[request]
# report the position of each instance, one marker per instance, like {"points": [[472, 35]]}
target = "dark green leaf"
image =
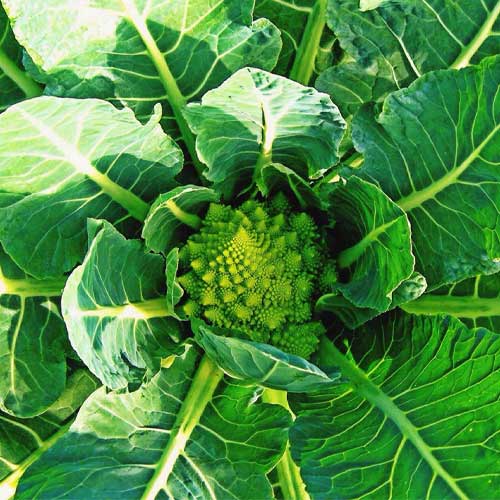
{"points": [[291, 18], [373, 236], [391, 43], [307, 42], [276, 177], [419, 419], [350, 85], [353, 316], [434, 151], [476, 301]]}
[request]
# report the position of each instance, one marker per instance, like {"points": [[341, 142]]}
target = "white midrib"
{"points": [[147, 309], [269, 129], [268, 134], [417, 198], [372, 393], [82, 165], [484, 32], [265, 156]]}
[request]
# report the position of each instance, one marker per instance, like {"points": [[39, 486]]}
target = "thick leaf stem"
{"points": [[373, 394], [31, 287], [175, 98], [289, 478], [191, 220], [463, 307], [137, 207], [204, 383], [303, 66], [354, 161], [18, 76]]}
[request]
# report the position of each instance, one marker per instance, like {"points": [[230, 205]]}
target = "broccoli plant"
{"points": [[249, 249]]}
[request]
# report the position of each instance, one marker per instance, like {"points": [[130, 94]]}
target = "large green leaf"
{"points": [[350, 85], [66, 160], [390, 44], [476, 301], [373, 236], [419, 418], [139, 53], [183, 435], [256, 118], [15, 84], [115, 308], [261, 364], [33, 341], [23, 441], [434, 150]]}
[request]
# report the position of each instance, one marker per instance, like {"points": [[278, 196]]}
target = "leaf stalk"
{"points": [[29, 87], [303, 66], [290, 480], [191, 220], [204, 383]]}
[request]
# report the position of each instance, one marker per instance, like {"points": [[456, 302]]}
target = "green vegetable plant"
{"points": [[254, 269], [249, 249]]}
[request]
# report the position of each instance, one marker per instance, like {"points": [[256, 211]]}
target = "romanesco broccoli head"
{"points": [[257, 270]]}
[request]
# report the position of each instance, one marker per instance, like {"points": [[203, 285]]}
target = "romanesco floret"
{"points": [[300, 339], [256, 272]]}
